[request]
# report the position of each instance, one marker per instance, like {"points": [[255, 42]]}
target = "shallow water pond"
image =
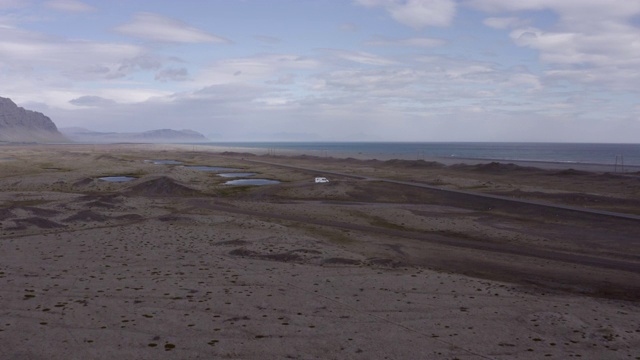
{"points": [[257, 182], [236, 174], [117, 178], [164, 162]]}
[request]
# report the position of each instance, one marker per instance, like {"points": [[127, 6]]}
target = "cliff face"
{"points": [[20, 125]]}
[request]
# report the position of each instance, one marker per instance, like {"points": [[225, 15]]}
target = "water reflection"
{"points": [[164, 162], [257, 182], [237, 174], [117, 178]]}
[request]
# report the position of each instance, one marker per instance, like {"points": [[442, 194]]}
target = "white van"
{"points": [[322, 180]]}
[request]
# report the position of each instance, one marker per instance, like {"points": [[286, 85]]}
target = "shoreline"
{"points": [[381, 156]]}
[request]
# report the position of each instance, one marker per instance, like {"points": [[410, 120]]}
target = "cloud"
{"points": [[130, 65], [593, 43], [69, 6], [284, 79], [163, 29], [505, 22], [423, 42], [180, 74], [93, 101], [74, 59], [417, 13], [360, 57], [594, 9], [259, 68]]}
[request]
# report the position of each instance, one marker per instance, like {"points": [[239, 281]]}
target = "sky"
{"points": [[330, 70]]}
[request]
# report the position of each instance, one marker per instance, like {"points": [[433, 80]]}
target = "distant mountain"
{"points": [[153, 136], [20, 125]]}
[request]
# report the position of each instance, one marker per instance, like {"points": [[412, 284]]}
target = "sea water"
{"points": [[578, 153]]}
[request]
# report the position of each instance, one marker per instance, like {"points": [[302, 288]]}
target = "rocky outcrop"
{"points": [[20, 125], [151, 136]]}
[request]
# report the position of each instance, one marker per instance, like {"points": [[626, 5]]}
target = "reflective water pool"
{"points": [[237, 174], [164, 162], [117, 178]]}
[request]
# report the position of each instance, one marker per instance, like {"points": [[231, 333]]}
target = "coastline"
{"points": [[384, 156]]}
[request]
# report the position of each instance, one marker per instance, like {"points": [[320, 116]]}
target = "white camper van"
{"points": [[322, 180]]}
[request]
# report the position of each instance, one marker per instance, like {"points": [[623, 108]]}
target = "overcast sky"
{"points": [[330, 70]]}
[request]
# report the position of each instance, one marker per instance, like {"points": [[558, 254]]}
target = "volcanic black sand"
{"points": [[175, 264]]}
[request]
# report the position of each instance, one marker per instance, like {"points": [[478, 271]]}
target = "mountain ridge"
{"points": [[79, 134], [18, 124]]}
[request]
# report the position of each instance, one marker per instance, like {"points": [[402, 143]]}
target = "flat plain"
{"points": [[175, 264]]}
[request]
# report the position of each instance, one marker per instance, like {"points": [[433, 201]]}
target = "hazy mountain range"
{"points": [[20, 125], [77, 134]]}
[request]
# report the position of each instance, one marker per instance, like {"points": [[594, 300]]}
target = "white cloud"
{"points": [[594, 9], [69, 6], [92, 101], [260, 68], [360, 57], [505, 22], [423, 42], [163, 29], [593, 41], [417, 13], [70, 58], [172, 74]]}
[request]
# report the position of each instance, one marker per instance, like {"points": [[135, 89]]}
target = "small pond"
{"points": [[257, 182], [117, 178], [236, 174], [164, 162], [211, 168]]}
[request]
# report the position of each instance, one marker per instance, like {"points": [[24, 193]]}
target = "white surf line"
{"points": [[469, 193]]}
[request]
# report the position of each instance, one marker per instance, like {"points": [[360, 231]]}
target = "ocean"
{"points": [[614, 155]]}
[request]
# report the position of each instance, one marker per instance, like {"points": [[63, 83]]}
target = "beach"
{"points": [[174, 264]]}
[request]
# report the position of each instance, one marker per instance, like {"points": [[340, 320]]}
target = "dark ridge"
{"points": [[6, 214], [341, 261], [571, 172], [38, 212], [86, 215], [38, 222], [130, 217], [162, 186], [244, 252], [414, 163], [233, 153], [100, 204], [495, 168], [83, 182], [104, 198]]}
